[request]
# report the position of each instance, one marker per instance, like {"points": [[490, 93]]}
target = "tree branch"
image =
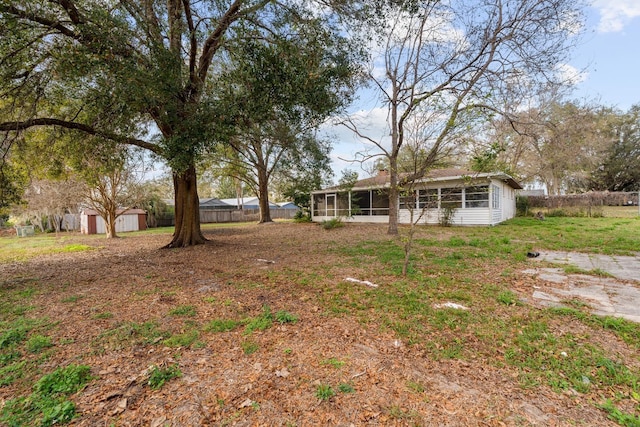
{"points": [[19, 126]]}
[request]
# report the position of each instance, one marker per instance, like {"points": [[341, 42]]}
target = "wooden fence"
{"points": [[231, 215]]}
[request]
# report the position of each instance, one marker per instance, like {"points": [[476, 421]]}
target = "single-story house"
{"points": [[246, 203], [130, 220], [469, 198], [212, 203], [288, 205]]}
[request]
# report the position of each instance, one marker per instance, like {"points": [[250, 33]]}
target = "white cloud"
{"points": [[570, 74], [615, 14]]}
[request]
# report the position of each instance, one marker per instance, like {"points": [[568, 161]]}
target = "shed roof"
{"points": [[118, 212]]}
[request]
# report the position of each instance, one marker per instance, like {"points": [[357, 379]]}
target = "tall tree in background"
{"points": [[286, 90], [620, 168], [557, 143], [449, 61], [48, 200], [123, 70]]}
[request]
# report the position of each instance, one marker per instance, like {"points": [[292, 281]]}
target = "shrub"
{"points": [[302, 216], [522, 206], [332, 223]]}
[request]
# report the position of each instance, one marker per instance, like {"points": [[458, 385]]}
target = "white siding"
{"points": [[84, 224], [462, 216], [124, 223]]}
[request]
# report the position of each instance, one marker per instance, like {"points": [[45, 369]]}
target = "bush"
{"points": [[302, 216], [332, 223], [522, 206], [446, 216]]}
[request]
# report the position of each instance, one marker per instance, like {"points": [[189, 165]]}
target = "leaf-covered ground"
{"points": [[259, 327]]}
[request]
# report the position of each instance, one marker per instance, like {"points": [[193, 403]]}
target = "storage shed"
{"points": [[130, 220], [469, 198]]}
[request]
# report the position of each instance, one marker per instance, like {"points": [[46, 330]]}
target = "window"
{"points": [[495, 197], [428, 198], [407, 200], [451, 198], [476, 197]]}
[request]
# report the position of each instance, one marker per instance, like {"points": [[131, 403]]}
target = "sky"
{"points": [[606, 63]]}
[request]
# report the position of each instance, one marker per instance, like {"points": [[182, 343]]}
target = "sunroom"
{"points": [[463, 197]]}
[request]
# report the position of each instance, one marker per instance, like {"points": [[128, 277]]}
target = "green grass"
{"points": [[37, 343], [160, 375], [49, 402], [324, 392], [21, 249], [249, 347], [185, 339], [128, 334], [222, 325], [184, 310]]}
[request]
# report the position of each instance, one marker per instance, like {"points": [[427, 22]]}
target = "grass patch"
{"points": [[283, 316], [185, 339], [75, 248], [37, 343], [48, 404], [184, 310], [507, 298], [160, 375], [332, 223], [622, 418], [333, 362], [346, 388], [324, 392], [18, 249], [249, 347], [222, 325], [102, 316], [128, 334]]}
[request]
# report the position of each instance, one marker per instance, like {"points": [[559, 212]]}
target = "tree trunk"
{"points": [[393, 198], [187, 206], [263, 196], [110, 224]]}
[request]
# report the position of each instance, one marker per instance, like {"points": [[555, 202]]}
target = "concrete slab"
{"points": [[622, 267], [618, 296]]}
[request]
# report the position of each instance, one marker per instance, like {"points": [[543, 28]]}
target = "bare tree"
{"points": [[113, 186], [50, 200], [446, 63]]}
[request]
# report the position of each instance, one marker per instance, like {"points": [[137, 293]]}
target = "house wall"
{"points": [[462, 216]]}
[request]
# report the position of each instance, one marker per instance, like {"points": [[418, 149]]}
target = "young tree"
{"points": [[122, 70], [112, 186], [443, 63]]}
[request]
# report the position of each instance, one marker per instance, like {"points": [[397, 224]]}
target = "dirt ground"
{"points": [[236, 274]]}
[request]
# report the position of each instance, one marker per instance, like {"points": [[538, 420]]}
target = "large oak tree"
{"points": [[138, 72]]}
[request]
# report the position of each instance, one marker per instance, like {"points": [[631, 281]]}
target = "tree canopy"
{"points": [[144, 73], [441, 64]]}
